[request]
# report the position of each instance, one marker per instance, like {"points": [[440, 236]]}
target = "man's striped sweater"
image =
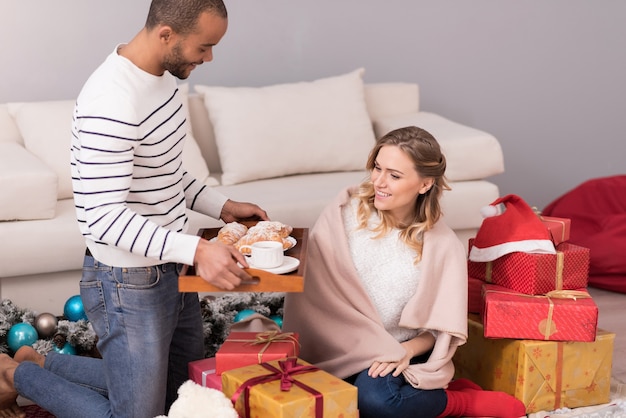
{"points": [[130, 188]]}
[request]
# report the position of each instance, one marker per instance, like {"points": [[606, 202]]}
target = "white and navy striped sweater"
{"points": [[130, 189]]}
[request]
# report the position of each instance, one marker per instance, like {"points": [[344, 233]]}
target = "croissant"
{"points": [[265, 231], [282, 229], [231, 233]]}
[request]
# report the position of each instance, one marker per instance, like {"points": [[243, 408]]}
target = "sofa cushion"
{"points": [[388, 99], [298, 200], [306, 127], [471, 154], [9, 131], [29, 187], [42, 246], [46, 127], [192, 156]]}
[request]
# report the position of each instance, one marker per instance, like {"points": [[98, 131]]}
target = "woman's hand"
{"points": [[382, 369], [413, 347]]}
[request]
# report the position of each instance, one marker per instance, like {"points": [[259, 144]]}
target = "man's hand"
{"points": [[217, 264], [235, 211]]}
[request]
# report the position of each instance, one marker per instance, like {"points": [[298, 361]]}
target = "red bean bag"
{"points": [[597, 209]]}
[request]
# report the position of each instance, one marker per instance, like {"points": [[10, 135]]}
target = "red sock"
{"points": [[482, 403], [460, 384]]}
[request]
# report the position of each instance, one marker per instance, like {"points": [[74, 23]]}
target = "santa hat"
{"points": [[510, 225]]}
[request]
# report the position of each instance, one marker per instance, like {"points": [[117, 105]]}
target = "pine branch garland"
{"points": [[218, 315]]}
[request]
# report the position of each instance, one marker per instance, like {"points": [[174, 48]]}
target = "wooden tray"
{"points": [[263, 281]]}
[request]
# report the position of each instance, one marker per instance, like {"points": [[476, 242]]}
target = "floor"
{"points": [[611, 307]]}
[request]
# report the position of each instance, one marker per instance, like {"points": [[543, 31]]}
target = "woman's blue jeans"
{"points": [[147, 331], [393, 397]]}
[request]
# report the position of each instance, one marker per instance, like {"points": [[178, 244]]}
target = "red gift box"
{"points": [[245, 348], [474, 295], [536, 274], [203, 373], [560, 315], [558, 227]]}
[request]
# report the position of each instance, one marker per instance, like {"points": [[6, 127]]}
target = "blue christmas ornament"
{"points": [[278, 319], [21, 334], [74, 309], [241, 315], [67, 349]]}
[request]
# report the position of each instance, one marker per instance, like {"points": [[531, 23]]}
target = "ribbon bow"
{"points": [[267, 338], [288, 368]]}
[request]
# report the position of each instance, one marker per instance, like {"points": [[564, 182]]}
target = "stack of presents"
{"points": [[532, 325], [262, 374]]}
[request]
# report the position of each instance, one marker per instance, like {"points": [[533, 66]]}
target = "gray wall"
{"points": [[546, 77]]}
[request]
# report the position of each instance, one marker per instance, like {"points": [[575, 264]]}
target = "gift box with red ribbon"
{"points": [[245, 348], [536, 274], [560, 315], [544, 375], [203, 373], [559, 228], [289, 388]]}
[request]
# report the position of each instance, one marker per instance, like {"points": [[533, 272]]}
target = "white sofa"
{"points": [[41, 249]]}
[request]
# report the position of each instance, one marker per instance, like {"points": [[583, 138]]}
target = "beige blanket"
{"points": [[339, 328]]}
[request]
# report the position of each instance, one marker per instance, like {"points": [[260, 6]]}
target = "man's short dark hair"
{"points": [[182, 15]]}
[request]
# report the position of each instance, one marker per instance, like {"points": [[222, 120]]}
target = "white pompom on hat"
{"points": [[510, 225]]}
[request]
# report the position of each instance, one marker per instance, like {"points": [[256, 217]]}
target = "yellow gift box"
{"points": [[544, 375], [289, 388]]}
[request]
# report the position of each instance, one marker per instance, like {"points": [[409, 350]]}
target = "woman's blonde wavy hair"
{"points": [[429, 162]]}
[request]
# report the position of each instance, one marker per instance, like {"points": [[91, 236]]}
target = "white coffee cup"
{"points": [[266, 254]]}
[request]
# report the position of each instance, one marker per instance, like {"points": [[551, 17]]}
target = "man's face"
{"points": [[193, 49]]}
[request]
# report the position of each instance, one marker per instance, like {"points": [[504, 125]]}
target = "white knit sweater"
{"points": [[386, 270], [130, 189]]}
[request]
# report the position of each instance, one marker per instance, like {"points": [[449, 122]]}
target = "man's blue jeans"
{"points": [[147, 334]]}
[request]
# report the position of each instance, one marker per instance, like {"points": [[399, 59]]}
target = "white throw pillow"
{"points": [[278, 130], [46, 127], [192, 156]]}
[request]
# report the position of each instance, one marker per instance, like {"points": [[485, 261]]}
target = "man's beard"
{"points": [[176, 64]]}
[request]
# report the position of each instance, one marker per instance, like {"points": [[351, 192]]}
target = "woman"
{"points": [[385, 298]]}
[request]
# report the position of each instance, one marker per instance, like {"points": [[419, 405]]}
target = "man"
{"points": [[131, 192]]}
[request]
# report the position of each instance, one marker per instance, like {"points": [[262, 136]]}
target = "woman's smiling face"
{"points": [[397, 184]]}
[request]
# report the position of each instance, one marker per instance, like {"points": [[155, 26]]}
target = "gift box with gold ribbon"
{"points": [[560, 315], [536, 274], [544, 375], [289, 388], [245, 348]]}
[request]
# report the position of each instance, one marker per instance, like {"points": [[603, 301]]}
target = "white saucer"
{"points": [[289, 264]]}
